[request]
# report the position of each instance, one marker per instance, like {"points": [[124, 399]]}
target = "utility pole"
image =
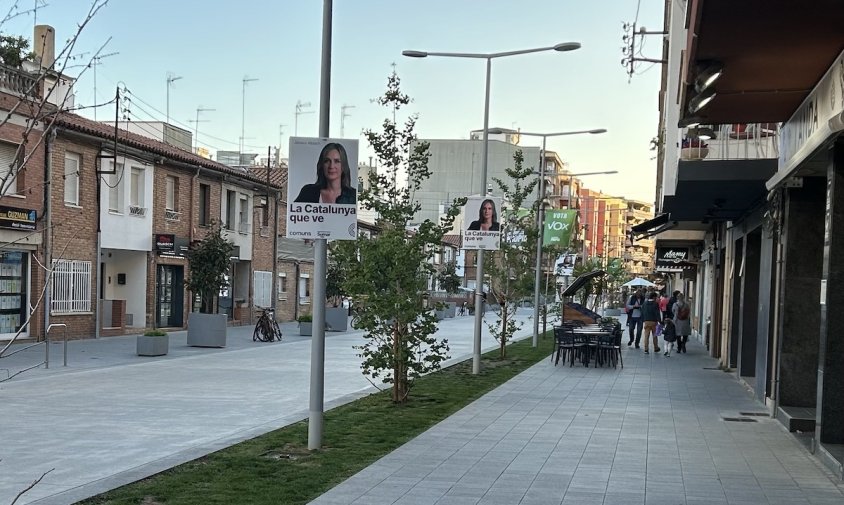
{"points": [[94, 62], [300, 109], [343, 116], [196, 125], [171, 78], [246, 79]]}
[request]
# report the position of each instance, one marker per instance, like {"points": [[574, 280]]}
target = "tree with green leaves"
{"points": [[14, 50], [209, 261], [447, 277], [387, 274], [511, 267], [334, 278]]}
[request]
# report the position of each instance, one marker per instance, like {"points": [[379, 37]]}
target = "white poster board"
{"points": [[482, 228], [322, 188], [564, 265]]}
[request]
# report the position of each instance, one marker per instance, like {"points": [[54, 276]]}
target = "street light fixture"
{"points": [[541, 213], [479, 277]]}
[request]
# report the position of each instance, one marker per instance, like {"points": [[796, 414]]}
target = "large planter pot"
{"points": [[306, 328], [450, 309], [152, 346], [693, 153], [207, 330], [336, 319]]}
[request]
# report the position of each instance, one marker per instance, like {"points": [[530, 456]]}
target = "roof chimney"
{"points": [[45, 44]]}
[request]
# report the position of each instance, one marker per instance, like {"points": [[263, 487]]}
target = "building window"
{"points": [[72, 163], [71, 286], [243, 214], [204, 204], [263, 282], [115, 190], [304, 289], [231, 209], [282, 286], [10, 160], [136, 195], [172, 190]]}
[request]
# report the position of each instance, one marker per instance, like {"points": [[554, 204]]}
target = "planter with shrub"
{"points": [[153, 343]]}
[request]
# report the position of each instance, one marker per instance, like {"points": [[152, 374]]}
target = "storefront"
{"points": [[170, 280], [16, 226]]}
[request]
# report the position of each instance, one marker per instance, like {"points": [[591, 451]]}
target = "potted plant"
{"points": [[153, 343], [306, 322], [693, 149], [209, 261]]}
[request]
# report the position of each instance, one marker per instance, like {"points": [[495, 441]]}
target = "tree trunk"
{"points": [[503, 342], [399, 392]]}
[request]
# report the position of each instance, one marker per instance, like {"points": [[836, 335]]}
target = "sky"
{"points": [[213, 45]]}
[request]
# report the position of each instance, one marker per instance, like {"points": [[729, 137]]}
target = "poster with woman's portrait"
{"points": [[322, 186], [482, 228]]}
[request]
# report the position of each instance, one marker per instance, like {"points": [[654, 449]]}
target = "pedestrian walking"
{"points": [[634, 317], [663, 304], [682, 321], [650, 317], [669, 335]]}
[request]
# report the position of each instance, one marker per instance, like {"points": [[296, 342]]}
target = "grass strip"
{"points": [[277, 467]]}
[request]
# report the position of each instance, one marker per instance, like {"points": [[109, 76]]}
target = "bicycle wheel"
{"points": [[260, 334], [276, 330]]}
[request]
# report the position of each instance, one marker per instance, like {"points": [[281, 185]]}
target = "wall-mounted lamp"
{"points": [[711, 72], [689, 122], [700, 101]]}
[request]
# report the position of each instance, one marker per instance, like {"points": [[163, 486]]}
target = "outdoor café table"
{"points": [[592, 332]]}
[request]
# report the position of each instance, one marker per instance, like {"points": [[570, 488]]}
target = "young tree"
{"points": [[447, 277], [335, 276], [209, 262], [511, 267], [386, 274]]}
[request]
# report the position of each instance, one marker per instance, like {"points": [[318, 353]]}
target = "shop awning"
{"points": [[581, 281], [653, 226]]}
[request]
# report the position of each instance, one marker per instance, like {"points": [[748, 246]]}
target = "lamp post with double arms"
{"points": [[541, 214], [479, 277]]}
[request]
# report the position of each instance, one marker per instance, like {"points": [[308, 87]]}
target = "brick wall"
{"points": [[288, 307]]}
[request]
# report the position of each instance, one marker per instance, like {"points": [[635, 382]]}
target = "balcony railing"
{"points": [[730, 142], [134, 210], [17, 81], [172, 215]]}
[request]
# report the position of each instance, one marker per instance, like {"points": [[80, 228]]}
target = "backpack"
{"points": [[683, 312]]}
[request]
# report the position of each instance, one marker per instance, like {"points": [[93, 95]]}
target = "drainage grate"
{"points": [[711, 368], [739, 419], [755, 414]]}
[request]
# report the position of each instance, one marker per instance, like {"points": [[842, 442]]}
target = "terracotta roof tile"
{"points": [[106, 132]]}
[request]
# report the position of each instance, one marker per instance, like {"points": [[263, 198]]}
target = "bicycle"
{"points": [[266, 329]]}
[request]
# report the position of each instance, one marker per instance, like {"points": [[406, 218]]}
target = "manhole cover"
{"points": [[739, 419], [756, 414]]}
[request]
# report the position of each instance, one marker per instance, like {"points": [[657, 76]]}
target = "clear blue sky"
{"points": [[213, 44]]}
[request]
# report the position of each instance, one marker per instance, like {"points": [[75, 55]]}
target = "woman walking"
{"points": [[682, 322]]}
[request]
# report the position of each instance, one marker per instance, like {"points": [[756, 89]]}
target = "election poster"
{"points": [[482, 228], [322, 188], [564, 265], [558, 227]]}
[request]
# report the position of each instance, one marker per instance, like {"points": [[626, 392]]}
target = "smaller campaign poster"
{"points": [[564, 265], [322, 188], [482, 228]]}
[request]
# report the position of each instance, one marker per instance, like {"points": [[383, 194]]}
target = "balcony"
{"points": [[172, 215], [137, 211], [730, 142], [18, 82]]}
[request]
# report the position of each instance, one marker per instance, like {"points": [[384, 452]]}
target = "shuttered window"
{"points": [[263, 282], [71, 286]]}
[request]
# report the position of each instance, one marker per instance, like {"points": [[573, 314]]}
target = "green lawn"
{"points": [[277, 468]]}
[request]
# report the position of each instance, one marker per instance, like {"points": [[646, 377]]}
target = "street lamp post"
{"points": [[479, 277], [541, 214]]}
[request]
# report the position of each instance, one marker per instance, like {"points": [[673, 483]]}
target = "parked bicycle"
{"points": [[266, 329]]}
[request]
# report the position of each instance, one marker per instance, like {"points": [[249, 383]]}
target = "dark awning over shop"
{"points": [[581, 281], [653, 226], [718, 190]]}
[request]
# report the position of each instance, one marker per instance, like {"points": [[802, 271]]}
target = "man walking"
{"points": [[634, 317], [651, 316]]}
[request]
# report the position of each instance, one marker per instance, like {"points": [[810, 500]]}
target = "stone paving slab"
{"points": [[651, 434], [111, 417]]}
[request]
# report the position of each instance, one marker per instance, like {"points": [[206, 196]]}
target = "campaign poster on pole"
{"points": [[558, 227], [322, 188], [564, 265], [482, 228]]}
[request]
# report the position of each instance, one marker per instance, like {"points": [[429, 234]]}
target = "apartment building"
{"points": [[749, 201]]}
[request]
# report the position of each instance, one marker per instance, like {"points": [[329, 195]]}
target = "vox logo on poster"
{"points": [[482, 229], [322, 188], [558, 227]]}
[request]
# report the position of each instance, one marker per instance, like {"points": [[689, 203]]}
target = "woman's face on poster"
{"points": [[332, 165], [487, 211]]}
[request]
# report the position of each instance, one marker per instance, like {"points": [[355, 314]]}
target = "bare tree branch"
{"points": [[34, 483]]}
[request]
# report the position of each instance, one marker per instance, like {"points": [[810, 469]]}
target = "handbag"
{"points": [[658, 330]]}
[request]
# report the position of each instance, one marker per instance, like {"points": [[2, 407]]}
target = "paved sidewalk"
{"points": [[653, 433], [111, 417]]}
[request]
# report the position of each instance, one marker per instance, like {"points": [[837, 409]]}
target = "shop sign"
{"points": [[672, 254], [17, 219], [168, 244]]}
